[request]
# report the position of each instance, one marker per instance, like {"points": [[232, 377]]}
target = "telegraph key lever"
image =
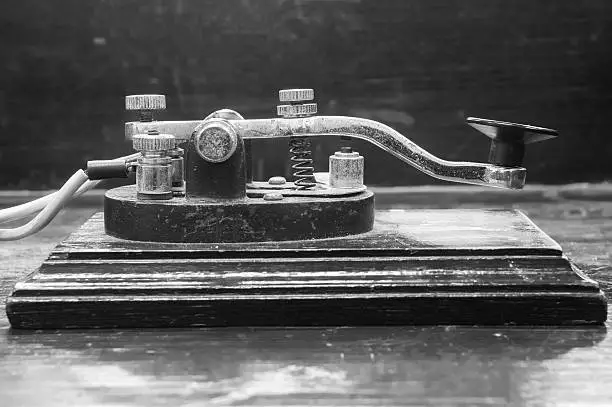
{"points": [[298, 120]]}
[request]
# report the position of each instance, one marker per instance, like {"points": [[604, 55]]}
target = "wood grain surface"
{"points": [[444, 365], [415, 267]]}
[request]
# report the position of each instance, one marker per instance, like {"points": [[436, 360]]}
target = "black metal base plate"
{"points": [[181, 220], [482, 267]]}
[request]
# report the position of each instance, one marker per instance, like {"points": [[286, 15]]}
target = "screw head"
{"points": [[216, 141], [273, 196], [153, 142], [277, 181], [145, 102]]}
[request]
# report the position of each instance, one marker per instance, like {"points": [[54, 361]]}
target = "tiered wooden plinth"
{"points": [[476, 267]]}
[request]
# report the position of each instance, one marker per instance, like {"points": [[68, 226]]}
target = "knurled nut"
{"points": [[303, 110], [145, 102], [153, 142], [295, 95]]}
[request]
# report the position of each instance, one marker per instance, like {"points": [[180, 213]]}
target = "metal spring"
{"points": [[303, 168]]}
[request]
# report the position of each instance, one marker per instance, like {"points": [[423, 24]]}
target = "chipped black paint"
{"points": [[187, 220]]}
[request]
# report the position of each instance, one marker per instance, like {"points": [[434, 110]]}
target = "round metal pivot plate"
{"points": [[182, 220]]}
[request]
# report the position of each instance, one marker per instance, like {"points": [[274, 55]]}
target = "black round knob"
{"points": [[508, 140]]}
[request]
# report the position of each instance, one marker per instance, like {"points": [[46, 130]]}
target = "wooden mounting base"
{"points": [[476, 267]]}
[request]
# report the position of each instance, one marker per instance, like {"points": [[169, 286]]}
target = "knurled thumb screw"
{"points": [[153, 141], [295, 106], [145, 105]]}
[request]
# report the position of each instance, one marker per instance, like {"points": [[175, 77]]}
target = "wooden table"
{"points": [[333, 366]]}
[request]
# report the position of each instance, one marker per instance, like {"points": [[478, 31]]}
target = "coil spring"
{"points": [[303, 168]]}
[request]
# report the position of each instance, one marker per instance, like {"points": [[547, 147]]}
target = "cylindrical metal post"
{"points": [[154, 170], [346, 169]]}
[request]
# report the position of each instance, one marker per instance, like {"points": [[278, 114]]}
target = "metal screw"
{"points": [[300, 153], [273, 196], [296, 108], [277, 181]]}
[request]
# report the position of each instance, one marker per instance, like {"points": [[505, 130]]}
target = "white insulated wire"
{"points": [[29, 208], [58, 200]]}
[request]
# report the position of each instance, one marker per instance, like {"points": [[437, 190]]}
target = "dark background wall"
{"points": [[418, 66]]}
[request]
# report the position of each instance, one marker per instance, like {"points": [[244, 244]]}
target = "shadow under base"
{"points": [[416, 267]]}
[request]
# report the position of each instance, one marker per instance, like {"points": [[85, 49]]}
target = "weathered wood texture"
{"points": [[417, 66], [445, 266], [445, 365]]}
